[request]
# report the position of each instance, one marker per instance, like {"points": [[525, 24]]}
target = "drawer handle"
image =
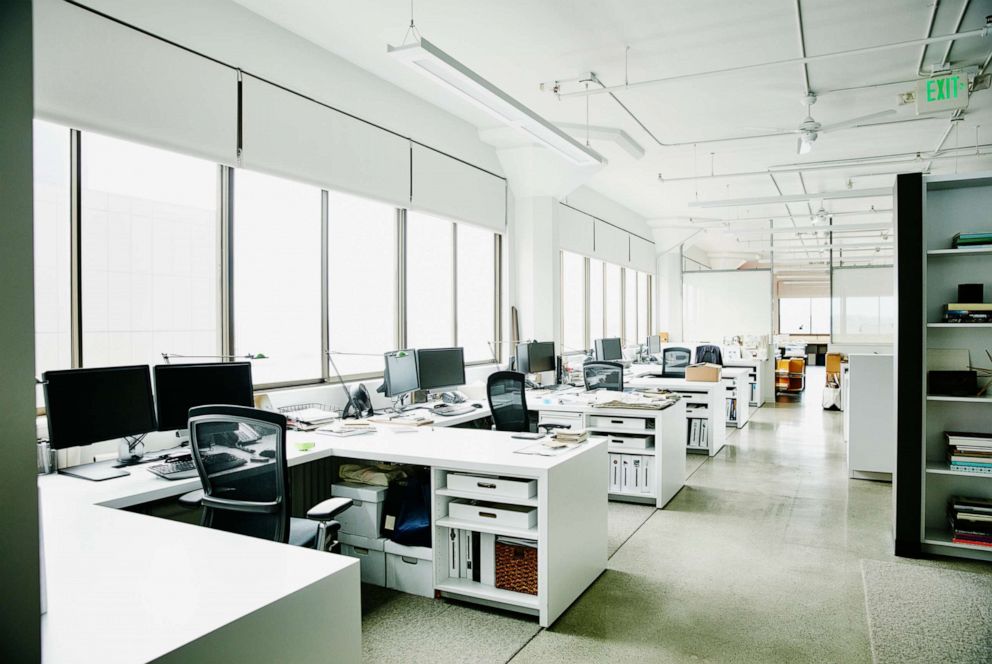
{"points": [[409, 561], [488, 515], [485, 485], [361, 551], [617, 441], [616, 421]]}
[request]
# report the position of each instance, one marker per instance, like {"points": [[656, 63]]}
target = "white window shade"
{"points": [[291, 136], [575, 231], [641, 254], [457, 191], [863, 305], [722, 304], [93, 73], [612, 244]]}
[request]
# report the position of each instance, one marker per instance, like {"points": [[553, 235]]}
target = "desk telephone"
{"points": [[453, 397]]}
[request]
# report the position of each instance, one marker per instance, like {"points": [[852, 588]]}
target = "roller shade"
{"points": [[724, 304], [612, 243], [641, 254], [92, 73], [575, 231], [863, 305], [453, 189], [291, 136]]}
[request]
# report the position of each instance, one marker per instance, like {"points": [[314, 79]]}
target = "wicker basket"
{"points": [[516, 568]]}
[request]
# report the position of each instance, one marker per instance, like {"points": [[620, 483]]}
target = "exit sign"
{"points": [[941, 93]]}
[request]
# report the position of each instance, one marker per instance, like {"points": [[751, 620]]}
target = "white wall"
{"points": [[597, 205], [20, 622]]}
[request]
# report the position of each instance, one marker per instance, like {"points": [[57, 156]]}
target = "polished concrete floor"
{"points": [[757, 559]]}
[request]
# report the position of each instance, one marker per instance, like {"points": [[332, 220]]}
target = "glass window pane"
{"points": [[573, 303], [53, 345], [149, 253], [614, 326], [429, 287], [596, 324], [630, 307], [476, 292], [277, 277], [362, 289], [820, 315]]}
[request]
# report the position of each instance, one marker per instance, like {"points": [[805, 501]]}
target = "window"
{"points": [[643, 306], [573, 302], [430, 321], [276, 287], [804, 315], [630, 307], [597, 326], [476, 260], [612, 304], [361, 283], [149, 253], [52, 315]]}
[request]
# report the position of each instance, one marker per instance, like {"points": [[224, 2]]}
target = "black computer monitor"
{"points": [[536, 356], [608, 350], [654, 344], [401, 374], [87, 406], [441, 367], [179, 387]]}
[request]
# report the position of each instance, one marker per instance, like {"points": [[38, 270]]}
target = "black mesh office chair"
{"points": [[508, 403], [709, 353], [253, 499], [603, 376], [674, 360]]}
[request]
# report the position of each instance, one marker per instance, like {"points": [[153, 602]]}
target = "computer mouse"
{"points": [[268, 454], [477, 405]]}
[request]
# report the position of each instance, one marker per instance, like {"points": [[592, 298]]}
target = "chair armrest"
{"points": [[192, 500], [328, 509]]}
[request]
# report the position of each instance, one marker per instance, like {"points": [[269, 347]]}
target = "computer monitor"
{"points": [[179, 387], [608, 350], [674, 361], [87, 406], [401, 374], [441, 367], [654, 344], [536, 356]]}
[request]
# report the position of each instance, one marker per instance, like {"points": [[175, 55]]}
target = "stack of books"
{"points": [[971, 520], [970, 452], [570, 437], [971, 240], [961, 312]]}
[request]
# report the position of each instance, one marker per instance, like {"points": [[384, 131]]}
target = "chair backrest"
{"points": [[709, 353], [508, 401], [603, 376], [250, 499], [674, 360]]}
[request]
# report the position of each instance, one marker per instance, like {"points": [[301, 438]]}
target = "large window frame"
{"points": [[591, 333], [225, 300]]}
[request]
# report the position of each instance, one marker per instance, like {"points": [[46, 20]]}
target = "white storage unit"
{"points": [[738, 409], [371, 555], [497, 514], [703, 401], [364, 517], [409, 569], [870, 419]]}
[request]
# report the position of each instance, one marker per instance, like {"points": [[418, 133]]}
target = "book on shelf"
{"points": [[971, 240], [970, 520], [963, 439]]}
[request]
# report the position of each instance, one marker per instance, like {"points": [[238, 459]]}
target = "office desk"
{"points": [[704, 401], [571, 533]]}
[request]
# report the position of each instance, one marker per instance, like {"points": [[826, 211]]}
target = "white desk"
{"points": [[571, 535], [704, 401], [761, 378]]}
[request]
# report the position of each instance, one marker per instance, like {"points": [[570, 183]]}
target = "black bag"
{"points": [[406, 514]]}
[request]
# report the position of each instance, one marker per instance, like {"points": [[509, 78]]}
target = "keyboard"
{"points": [[449, 410], [183, 468]]}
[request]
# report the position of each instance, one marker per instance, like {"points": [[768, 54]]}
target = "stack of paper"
{"points": [[344, 428], [311, 417], [571, 436], [402, 420]]}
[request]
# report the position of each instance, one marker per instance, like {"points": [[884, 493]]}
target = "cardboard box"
{"points": [[664, 337], [833, 362], [704, 372]]}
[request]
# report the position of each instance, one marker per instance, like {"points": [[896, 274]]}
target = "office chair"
{"points": [[709, 353], [254, 499], [603, 376], [508, 403], [674, 360]]}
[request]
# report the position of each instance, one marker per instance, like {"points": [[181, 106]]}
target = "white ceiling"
{"points": [[518, 44]]}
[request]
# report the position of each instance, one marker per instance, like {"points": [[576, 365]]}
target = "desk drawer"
{"points": [[571, 420], [631, 423], [514, 516], [632, 441], [496, 487]]}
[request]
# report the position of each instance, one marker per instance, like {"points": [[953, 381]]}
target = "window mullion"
{"points": [[225, 249], [75, 250], [400, 265], [325, 294]]}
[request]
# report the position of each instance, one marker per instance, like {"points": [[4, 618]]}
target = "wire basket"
{"points": [[297, 407]]}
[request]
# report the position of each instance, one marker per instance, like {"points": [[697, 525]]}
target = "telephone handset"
{"points": [[360, 401]]}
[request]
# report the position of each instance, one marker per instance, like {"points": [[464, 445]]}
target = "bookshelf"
{"points": [[929, 211]]}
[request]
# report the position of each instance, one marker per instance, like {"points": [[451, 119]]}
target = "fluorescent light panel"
{"points": [[430, 61]]}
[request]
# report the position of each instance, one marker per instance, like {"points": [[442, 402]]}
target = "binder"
{"points": [[615, 473], [704, 432], [487, 559], [454, 567], [637, 474], [647, 485], [627, 470], [466, 563]]}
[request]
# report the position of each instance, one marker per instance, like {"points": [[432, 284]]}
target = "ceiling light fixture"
{"points": [[428, 60], [795, 198]]}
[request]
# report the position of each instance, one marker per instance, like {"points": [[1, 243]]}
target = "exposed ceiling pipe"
{"points": [[802, 48], [881, 226], [946, 60], [618, 136], [865, 50], [794, 198], [923, 49], [655, 222]]}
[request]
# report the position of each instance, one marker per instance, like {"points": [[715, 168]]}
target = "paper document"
{"points": [[540, 449]]}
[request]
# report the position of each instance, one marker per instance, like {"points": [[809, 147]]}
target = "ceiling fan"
{"points": [[809, 129]]}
